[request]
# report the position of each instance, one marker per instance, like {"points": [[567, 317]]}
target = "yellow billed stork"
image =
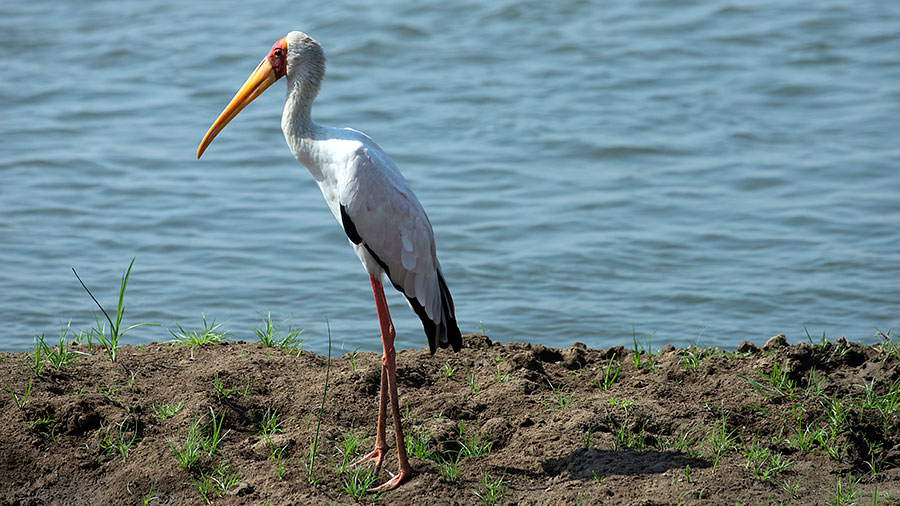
{"points": [[372, 202]]}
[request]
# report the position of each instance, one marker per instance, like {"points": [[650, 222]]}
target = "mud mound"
{"points": [[519, 423]]}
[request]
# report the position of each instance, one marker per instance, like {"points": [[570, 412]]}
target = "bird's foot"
{"points": [[395, 481], [376, 456]]}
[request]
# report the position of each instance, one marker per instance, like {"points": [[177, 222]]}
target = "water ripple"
{"points": [[589, 170]]}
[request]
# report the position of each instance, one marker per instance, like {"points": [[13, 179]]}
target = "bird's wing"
{"points": [[385, 221], [393, 227]]}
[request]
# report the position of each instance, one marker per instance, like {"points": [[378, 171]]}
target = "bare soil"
{"points": [[557, 437]]}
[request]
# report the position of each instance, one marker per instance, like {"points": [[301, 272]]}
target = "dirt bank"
{"points": [[519, 423]]}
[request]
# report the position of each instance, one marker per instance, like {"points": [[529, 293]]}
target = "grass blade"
{"points": [[315, 443]]}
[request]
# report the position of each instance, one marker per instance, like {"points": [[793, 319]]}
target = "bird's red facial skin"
{"points": [[278, 58]]}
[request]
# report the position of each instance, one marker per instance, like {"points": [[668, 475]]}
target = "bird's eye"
{"points": [[277, 53]]}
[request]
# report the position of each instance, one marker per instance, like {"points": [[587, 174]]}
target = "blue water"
{"points": [[722, 169]]}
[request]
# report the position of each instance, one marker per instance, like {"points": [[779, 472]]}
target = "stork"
{"points": [[370, 199]]}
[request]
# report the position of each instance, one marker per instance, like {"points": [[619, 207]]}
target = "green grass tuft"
{"points": [[473, 384], [775, 384], [357, 481], [211, 333], [640, 348], [224, 393], [110, 342], [217, 482], [721, 440], [145, 498], [888, 345], [608, 374], [351, 356], [201, 440], [418, 445], [491, 490], [44, 425], [559, 400], [449, 467], [58, 356], [764, 463], [163, 411], [348, 448], [21, 401], [471, 442], [846, 492], [449, 369], [117, 439], [268, 336]]}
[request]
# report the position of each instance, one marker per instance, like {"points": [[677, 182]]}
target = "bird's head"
{"points": [[297, 56]]}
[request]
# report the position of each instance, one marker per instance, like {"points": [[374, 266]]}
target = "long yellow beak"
{"points": [[259, 80]]}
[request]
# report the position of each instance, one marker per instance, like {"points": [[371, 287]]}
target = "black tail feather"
{"points": [[446, 333], [448, 318]]}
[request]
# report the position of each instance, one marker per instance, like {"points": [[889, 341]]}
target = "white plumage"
{"points": [[371, 200], [397, 239]]}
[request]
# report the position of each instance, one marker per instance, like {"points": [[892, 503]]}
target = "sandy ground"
{"points": [[504, 423]]}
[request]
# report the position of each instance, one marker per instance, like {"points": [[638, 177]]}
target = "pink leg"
{"points": [[389, 380]]}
